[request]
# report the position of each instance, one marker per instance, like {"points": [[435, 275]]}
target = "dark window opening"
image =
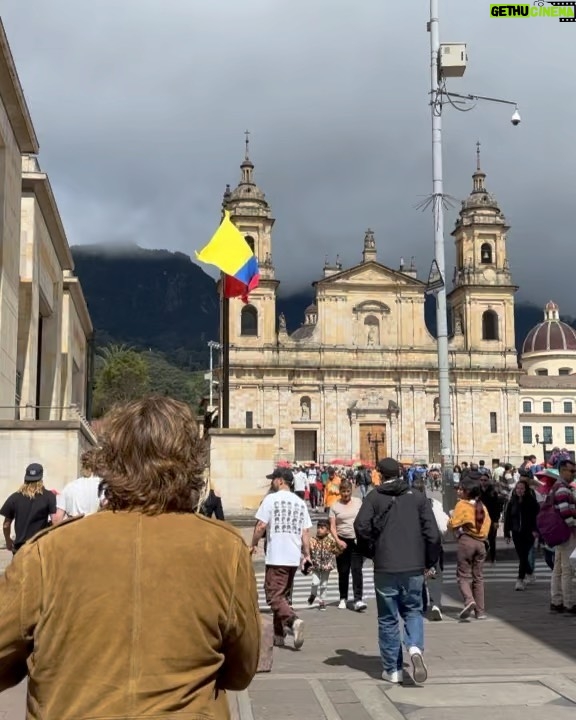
{"points": [[493, 422], [249, 321], [249, 420], [489, 325]]}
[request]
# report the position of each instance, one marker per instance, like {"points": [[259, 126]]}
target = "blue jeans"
{"points": [[398, 595]]}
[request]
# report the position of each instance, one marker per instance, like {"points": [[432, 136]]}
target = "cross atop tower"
{"points": [[478, 156], [247, 141]]}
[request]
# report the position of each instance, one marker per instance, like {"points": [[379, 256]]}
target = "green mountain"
{"points": [[149, 299]]}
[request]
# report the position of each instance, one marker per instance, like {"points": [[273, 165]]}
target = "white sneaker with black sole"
{"points": [[360, 606], [435, 613], [467, 611]]}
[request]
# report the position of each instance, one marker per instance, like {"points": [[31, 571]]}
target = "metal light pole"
{"points": [[438, 94], [444, 401], [544, 442], [213, 345]]}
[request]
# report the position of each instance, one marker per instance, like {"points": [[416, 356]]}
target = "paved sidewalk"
{"points": [[518, 664]]}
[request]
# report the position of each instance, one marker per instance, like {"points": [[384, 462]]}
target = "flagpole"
{"points": [[225, 357]]}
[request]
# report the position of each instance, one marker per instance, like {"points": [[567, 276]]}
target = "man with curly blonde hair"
{"points": [[30, 508]]}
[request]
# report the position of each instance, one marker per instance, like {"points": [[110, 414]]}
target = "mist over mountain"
{"points": [[162, 301]]}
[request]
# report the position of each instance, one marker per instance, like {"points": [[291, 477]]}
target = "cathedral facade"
{"points": [[359, 378]]}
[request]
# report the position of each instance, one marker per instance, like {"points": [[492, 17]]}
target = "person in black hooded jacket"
{"points": [[396, 527], [520, 527], [493, 503]]}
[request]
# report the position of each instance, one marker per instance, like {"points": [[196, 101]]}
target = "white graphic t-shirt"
{"points": [[285, 515]]}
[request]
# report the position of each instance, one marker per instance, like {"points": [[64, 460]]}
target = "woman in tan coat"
{"points": [[145, 609]]}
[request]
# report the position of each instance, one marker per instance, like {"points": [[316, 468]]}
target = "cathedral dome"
{"points": [[552, 335]]}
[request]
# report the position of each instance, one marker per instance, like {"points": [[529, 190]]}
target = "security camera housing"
{"points": [[515, 119]]}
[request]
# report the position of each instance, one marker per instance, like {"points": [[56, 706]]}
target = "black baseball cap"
{"points": [[34, 473], [388, 468], [283, 474]]}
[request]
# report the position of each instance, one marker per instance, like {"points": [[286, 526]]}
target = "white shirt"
{"points": [[80, 497], [300, 481], [286, 516]]}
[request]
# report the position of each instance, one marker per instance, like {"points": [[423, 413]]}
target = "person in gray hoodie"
{"points": [[397, 529]]}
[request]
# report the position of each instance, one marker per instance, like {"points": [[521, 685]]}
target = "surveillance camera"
{"points": [[515, 119]]}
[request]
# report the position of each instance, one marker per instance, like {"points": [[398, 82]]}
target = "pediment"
{"points": [[371, 273]]}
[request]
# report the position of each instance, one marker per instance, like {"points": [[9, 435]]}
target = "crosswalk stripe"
{"points": [[503, 572]]}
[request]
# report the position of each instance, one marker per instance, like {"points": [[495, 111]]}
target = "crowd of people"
{"points": [[136, 638], [401, 530]]}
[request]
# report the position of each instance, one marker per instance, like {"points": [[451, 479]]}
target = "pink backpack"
{"points": [[551, 526]]}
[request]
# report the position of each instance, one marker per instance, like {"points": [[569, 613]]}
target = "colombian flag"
{"points": [[231, 254]]}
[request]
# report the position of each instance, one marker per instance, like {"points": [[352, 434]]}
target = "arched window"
{"points": [[486, 254], [565, 371], [372, 330], [250, 240], [489, 325], [249, 320]]}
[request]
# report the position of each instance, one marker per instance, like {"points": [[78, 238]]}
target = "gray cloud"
{"points": [[140, 107]]}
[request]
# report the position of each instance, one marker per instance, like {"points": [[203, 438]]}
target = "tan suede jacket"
{"points": [[123, 615]]}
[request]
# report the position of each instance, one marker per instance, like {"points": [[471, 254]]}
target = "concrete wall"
{"points": [[57, 445], [239, 463]]}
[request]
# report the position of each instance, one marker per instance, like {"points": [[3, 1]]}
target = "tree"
{"points": [[122, 375], [168, 379]]}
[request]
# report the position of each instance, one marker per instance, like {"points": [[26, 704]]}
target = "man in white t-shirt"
{"points": [[80, 497], [283, 517], [300, 483]]}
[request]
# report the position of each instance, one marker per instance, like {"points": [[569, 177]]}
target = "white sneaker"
{"points": [[395, 677], [435, 613], [418, 665], [342, 605], [298, 633], [360, 605], [520, 585], [530, 579], [467, 611]]}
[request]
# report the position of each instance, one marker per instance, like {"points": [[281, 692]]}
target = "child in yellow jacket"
{"points": [[470, 522]]}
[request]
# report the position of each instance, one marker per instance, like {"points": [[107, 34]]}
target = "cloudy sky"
{"points": [[141, 105]]}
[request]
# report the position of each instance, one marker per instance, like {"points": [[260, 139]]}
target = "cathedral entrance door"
{"points": [[304, 445], [373, 448], [434, 455]]}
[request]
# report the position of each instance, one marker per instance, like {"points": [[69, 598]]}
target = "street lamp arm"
{"points": [[479, 97]]}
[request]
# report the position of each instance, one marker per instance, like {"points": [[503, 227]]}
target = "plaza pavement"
{"points": [[518, 664]]}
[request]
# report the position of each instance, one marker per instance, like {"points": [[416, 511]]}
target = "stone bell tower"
{"points": [[482, 299], [253, 324]]}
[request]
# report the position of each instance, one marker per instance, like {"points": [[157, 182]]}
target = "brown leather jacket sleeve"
{"points": [[20, 599], [242, 640]]}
